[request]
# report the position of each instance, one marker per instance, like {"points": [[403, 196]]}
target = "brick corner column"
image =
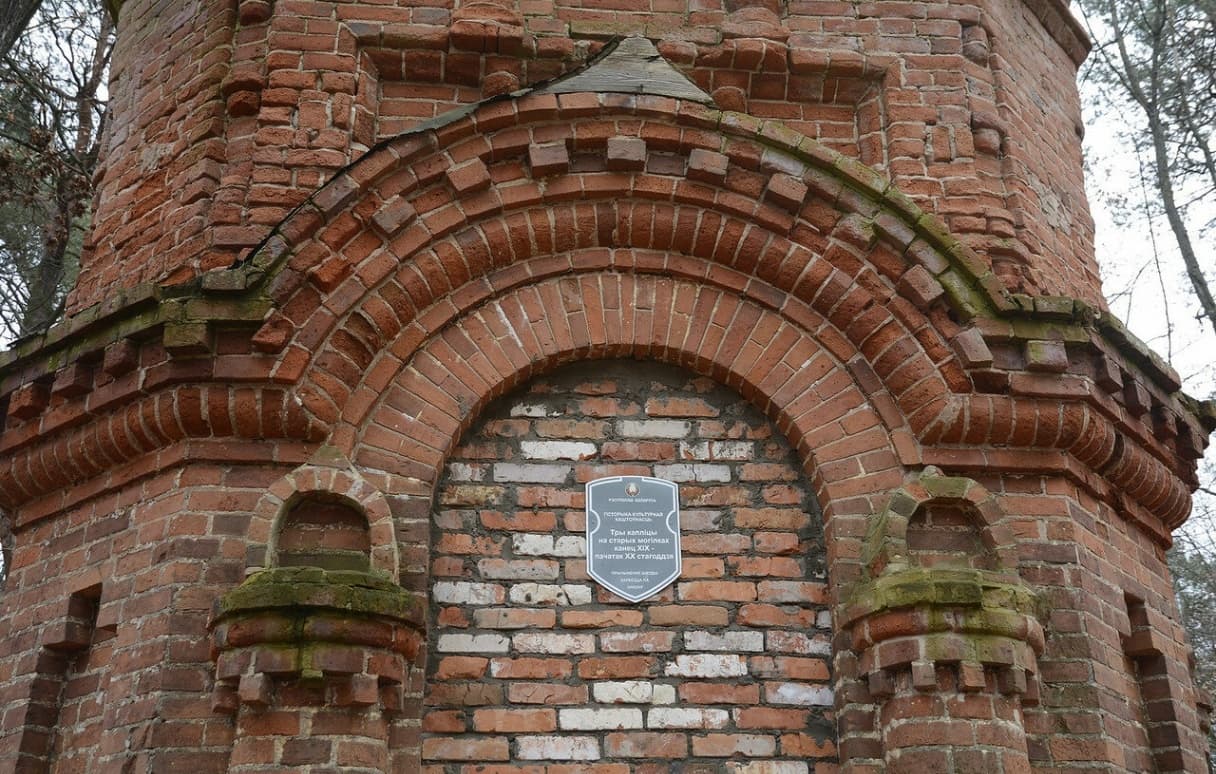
{"points": [[313, 664], [945, 658]]}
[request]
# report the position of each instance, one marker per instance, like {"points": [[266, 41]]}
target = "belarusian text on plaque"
{"points": [[633, 534]]}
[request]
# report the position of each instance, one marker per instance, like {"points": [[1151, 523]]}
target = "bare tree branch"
{"points": [[15, 16]]}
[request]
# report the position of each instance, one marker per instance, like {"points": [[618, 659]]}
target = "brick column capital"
{"points": [[351, 634]]}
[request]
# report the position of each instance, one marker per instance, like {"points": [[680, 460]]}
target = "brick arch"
{"points": [[435, 212], [346, 485], [854, 451], [394, 343], [510, 249], [886, 546], [437, 217], [333, 279]]}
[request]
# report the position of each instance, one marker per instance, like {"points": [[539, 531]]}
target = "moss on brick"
{"points": [[304, 589], [938, 589]]}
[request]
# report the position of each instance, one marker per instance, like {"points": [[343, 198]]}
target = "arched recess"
{"points": [[531, 660], [844, 430], [937, 520], [327, 479]]}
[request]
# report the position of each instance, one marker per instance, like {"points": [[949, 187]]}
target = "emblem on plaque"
{"points": [[633, 534]]}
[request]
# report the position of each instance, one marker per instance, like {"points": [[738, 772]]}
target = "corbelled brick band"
{"points": [[374, 288]]}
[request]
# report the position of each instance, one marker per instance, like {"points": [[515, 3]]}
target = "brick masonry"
{"points": [[271, 508], [532, 660], [970, 108]]}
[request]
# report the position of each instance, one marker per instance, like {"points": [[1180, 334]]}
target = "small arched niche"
{"points": [[326, 531], [937, 521], [948, 534]]}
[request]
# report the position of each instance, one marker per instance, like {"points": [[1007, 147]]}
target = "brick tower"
{"points": [[375, 287]]}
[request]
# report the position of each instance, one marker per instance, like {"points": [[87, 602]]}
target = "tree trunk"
{"points": [[1165, 186]]}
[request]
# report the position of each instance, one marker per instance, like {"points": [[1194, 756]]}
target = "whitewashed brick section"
{"points": [[463, 593], [502, 618], [681, 473], [518, 569], [550, 594], [594, 719], [633, 692], [636, 642], [517, 473], [798, 592], [528, 544], [700, 520], [540, 642], [570, 546], [747, 642], [558, 450], [768, 767], [538, 410], [473, 643], [653, 428], [707, 665], [687, 717], [803, 694], [557, 748], [717, 450]]}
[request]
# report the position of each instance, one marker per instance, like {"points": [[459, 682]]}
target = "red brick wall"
{"points": [[132, 681], [142, 453], [219, 128], [164, 148], [530, 660]]}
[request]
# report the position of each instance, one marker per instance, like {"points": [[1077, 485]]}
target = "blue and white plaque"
{"points": [[633, 534]]}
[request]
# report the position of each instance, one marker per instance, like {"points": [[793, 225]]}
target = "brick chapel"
{"points": [[374, 288]]}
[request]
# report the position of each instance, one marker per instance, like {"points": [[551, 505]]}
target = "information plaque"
{"points": [[633, 534]]}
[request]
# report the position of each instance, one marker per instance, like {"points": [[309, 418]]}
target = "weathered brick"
{"points": [[729, 745], [727, 641], [462, 593], [509, 721], [548, 159], [473, 643], [444, 749], [707, 665], [593, 719], [557, 748], [626, 153], [550, 594], [536, 642], [798, 693], [633, 692], [646, 745], [687, 717]]}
